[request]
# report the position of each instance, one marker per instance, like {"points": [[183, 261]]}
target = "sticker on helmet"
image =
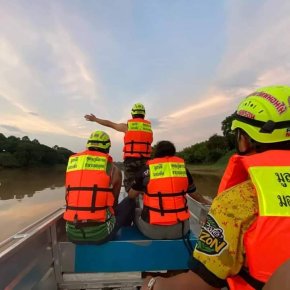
{"points": [[246, 114], [279, 106]]}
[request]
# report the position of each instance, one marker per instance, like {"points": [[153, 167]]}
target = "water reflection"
{"points": [[207, 184], [18, 183], [28, 195]]}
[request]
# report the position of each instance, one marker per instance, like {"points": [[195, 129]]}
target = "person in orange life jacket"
{"points": [[164, 182], [137, 141], [93, 185], [245, 237]]}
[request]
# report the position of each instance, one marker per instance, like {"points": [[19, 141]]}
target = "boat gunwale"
{"points": [[20, 238]]}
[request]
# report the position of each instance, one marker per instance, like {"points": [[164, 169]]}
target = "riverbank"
{"points": [[216, 169], [207, 177]]}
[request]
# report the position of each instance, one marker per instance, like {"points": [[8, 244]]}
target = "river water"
{"points": [[28, 195]]}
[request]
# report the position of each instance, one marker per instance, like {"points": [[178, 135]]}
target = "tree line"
{"points": [[211, 150], [23, 152], [18, 152]]}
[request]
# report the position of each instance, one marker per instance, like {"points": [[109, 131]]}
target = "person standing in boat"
{"points": [[246, 235], [164, 182], [137, 140], [93, 185]]}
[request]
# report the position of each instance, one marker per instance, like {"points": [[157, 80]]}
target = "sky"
{"points": [[189, 62]]}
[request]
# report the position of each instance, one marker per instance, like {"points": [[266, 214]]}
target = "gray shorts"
{"points": [[156, 232]]}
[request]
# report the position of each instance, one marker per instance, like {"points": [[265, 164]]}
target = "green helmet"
{"points": [[99, 140], [138, 109], [265, 115]]}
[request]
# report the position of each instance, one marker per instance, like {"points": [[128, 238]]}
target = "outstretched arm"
{"points": [[121, 127]]}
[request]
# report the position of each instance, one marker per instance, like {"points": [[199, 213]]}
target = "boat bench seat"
{"points": [[130, 251]]}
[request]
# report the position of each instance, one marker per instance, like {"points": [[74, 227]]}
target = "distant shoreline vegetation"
{"points": [[22, 152]]}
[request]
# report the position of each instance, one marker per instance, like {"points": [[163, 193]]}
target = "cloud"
{"points": [[11, 128], [33, 114], [256, 47], [45, 76]]}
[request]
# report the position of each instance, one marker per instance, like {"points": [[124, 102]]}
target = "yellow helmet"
{"points": [[265, 115], [99, 140], [138, 109]]}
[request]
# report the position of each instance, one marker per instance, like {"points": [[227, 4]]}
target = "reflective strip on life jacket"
{"points": [[169, 169], [275, 181], [139, 126], [87, 162]]}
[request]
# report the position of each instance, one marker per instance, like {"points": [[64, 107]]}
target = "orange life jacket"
{"points": [[88, 192], [266, 242], [138, 139], [166, 191]]}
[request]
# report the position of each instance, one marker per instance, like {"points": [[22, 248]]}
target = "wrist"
{"points": [[151, 283]]}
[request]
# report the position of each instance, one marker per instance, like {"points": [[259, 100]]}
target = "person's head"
{"points": [[262, 120], [99, 141], [164, 148], [138, 111]]}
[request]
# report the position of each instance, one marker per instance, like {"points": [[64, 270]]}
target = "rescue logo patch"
{"points": [[211, 239]]}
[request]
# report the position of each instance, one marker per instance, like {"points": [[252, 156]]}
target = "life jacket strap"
{"points": [[95, 189], [87, 188], [132, 143], [173, 194], [159, 194], [86, 208], [168, 210], [255, 283]]}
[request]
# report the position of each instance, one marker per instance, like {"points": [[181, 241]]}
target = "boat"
{"points": [[40, 257]]}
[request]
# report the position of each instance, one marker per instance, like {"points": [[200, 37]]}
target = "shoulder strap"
{"points": [[255, 283]]}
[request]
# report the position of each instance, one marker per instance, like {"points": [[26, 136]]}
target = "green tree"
{"points": [[2, 137], [200, 152], [22, 152], [227, 131], [8, 160], [26, 139], [217, 142]]}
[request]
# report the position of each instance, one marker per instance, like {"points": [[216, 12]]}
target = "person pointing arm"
{"points": [[138, 137], [121, 127]]}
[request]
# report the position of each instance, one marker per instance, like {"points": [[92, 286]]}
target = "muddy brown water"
{"points": [[206, 184]]}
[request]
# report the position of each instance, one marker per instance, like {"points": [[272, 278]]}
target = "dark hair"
{"points": [[259, 147], [164, 148], [138, 116]]}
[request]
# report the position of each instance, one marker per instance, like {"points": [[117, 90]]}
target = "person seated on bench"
{"points": [[164, 183], [93, 186]]}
